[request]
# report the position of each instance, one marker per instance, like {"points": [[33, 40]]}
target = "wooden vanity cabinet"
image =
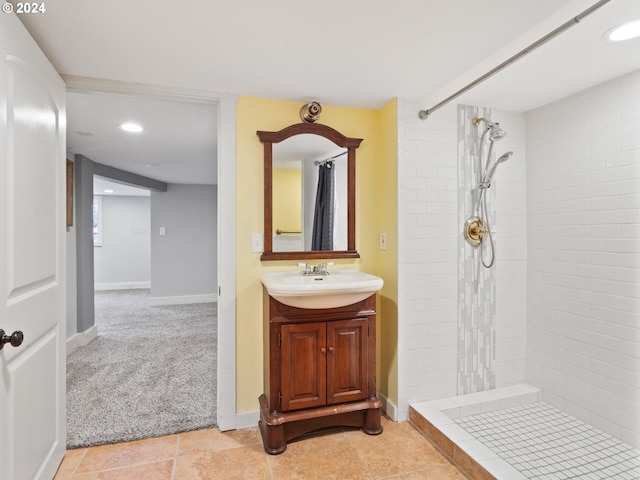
{"points": [[319, 371]]}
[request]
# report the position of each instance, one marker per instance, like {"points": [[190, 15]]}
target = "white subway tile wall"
{"points": [[568, 268], [428, 232], [583, 224], [510, 320], [427, 263]]}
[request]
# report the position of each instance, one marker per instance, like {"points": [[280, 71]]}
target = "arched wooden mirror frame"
{"points": [[351, 144]]}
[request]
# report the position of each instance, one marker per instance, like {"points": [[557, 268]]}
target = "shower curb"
{"points": [[436, 420], [453, 452]]}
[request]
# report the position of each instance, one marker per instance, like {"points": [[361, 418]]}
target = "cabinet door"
{"points": [[303, 365], [347, 353]]}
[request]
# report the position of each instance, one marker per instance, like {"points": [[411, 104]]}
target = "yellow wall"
{"points": [[387, 263], [287, 199], [376, 211]]}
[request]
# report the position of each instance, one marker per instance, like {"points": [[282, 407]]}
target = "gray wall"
{"points": [[83, 222], [125, 254], [72, 307], [184, 259]]}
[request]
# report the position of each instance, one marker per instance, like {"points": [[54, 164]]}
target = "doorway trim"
{"points": [[226, 149]]}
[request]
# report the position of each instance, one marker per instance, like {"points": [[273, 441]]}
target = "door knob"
{"points": [[15, 339]]}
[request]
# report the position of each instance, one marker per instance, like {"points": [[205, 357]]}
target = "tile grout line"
{"points": [[269, 466], [175, 459], [84, 454], [426, 469], [366, 465], [124, 467]]}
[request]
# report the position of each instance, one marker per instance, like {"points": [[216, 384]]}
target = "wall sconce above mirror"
{"points": [[309, 193], [310, 112]]}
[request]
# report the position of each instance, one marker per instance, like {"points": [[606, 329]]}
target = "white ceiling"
{"points": [[356, 53], [178, 144]]}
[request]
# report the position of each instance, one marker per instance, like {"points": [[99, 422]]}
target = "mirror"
{"points": [[298, 162], [294, 158]]}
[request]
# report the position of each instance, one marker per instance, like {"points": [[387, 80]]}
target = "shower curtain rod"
{"points": [[326, 160], [424, 114]]}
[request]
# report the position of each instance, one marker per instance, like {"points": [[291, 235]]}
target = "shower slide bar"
{"points": [[424, 114]]}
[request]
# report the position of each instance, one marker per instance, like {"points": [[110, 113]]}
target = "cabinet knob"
{"points": [[330, 349], [323, 350]]}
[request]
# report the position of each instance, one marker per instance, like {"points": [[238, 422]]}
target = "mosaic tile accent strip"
{"points": [[476, 284], [542, 442]]}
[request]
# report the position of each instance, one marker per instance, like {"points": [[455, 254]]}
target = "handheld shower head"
{"points": [[487, 178], [477, 226], [503, 158]]}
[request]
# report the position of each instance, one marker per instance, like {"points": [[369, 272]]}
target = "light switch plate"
{"points": [[257, 244]]}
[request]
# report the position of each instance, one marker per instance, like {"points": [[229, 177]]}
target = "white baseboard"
{"points": [[72, 344], [183, 299], [390, 408], [121, 285], [81, 339], [247, 420]]}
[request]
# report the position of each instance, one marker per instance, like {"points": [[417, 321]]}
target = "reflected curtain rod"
{"points": [[424, 114], [326, 160]]}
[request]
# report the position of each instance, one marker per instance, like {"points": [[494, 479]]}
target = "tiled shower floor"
{"points": [[510, 434], [542, 442]]}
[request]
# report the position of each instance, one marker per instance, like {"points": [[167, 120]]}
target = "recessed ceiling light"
{"points": [[131, 127], [151, 164], [626, 31], [108, 191], [85, 134]]}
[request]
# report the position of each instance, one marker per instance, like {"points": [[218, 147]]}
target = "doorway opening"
{"points": [[162, 295]]}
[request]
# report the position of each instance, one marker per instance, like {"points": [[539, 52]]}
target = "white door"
{"points": [[32, 257]]}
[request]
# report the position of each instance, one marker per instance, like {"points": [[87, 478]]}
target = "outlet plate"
{"points": [[383, 241], [257, 243]]}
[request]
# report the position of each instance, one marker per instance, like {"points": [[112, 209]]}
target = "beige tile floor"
{"points": [[400, 452]]}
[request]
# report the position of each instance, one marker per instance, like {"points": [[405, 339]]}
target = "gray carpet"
{"points": [[150, 372]]}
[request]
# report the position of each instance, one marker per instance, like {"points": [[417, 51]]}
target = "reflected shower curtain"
{"points": [[322, 237]]}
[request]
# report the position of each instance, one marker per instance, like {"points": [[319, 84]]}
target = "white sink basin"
{"points": [[339, 288]]}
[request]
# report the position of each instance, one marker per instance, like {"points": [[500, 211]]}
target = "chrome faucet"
{"points": [[320, 269], [307, 268]]}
